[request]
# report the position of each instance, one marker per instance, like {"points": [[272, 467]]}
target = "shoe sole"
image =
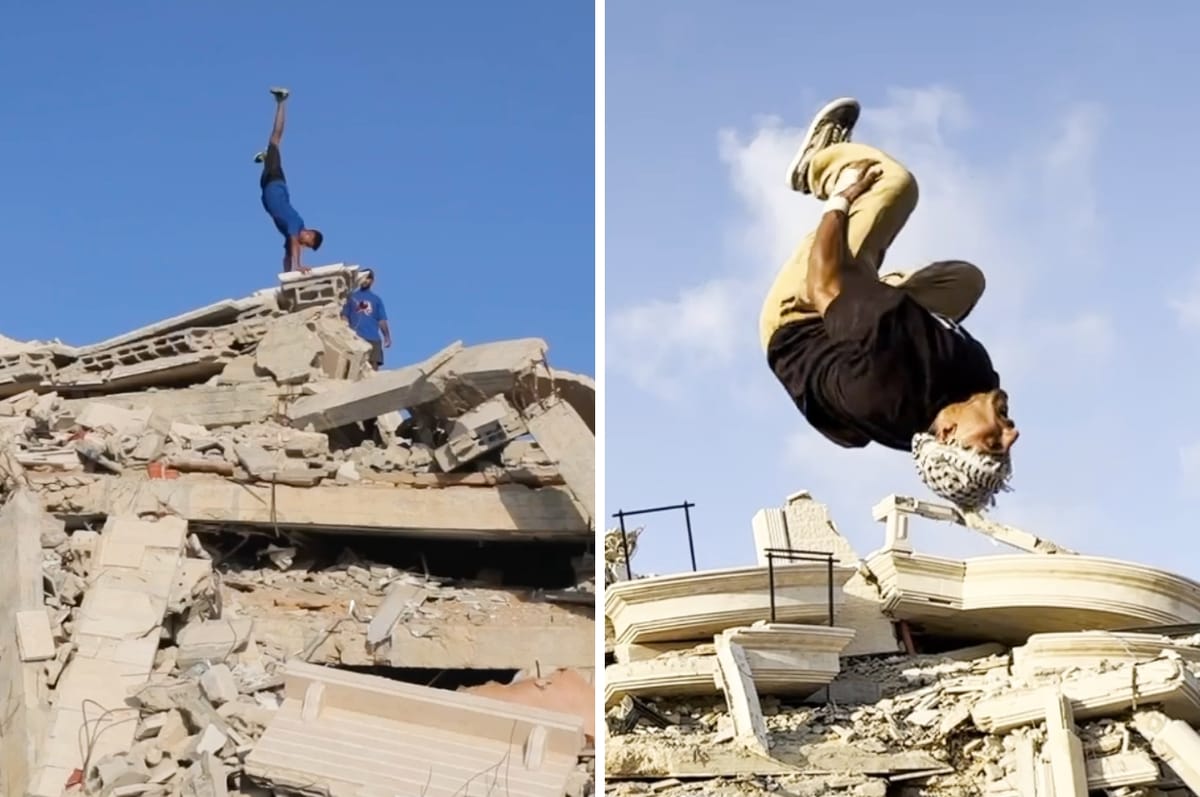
{"points": [[831, 110]]}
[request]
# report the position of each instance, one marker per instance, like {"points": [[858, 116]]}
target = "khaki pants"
{"points": [[951, 288]]}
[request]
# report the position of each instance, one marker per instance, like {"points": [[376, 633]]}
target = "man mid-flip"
{"points": [[883, 359], [276, 200]]}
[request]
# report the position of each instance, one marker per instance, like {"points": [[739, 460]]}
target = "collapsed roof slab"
{"points": [[698, 605], [346, 734], [577, 390], [507, 511], [637, 757], [219, 313], [206, 405], [1092, 695], [1090, 649], [1009, 598], [784, 658]]}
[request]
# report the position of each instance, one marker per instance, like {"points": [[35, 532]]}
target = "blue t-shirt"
{"points": [[278, 203], [364, 310]]}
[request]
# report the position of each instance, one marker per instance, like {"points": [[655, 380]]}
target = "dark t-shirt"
{"points": [[878, 367]]}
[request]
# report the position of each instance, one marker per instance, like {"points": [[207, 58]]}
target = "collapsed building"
{"points": [[1044, 672], [243, 562]]}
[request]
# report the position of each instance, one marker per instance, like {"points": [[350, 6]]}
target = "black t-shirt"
{"points": [[878, 367]]}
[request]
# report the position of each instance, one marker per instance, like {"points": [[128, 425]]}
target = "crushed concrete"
{"points": [[188, 537]]}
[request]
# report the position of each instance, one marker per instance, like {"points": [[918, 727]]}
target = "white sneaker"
{"points": [[281, 94], [833, 124]]}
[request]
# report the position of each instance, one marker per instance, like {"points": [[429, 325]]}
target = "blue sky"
{"points": [[449, 146], [1043, 141]]}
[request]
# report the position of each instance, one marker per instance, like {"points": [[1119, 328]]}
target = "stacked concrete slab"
{"points": [[1043, 672], [197, 518]]}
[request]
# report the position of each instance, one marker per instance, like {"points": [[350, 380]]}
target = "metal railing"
{"points": [[621, 514], [793, 555]]}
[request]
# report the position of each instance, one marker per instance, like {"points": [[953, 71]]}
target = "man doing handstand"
{"points": [[276, 200], [883, 359]]}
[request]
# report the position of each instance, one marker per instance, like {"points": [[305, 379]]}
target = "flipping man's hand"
{"points": [[869, 172]]}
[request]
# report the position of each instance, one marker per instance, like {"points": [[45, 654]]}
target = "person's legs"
{"points": [[874, 221], [270, 158], [376, 354]]}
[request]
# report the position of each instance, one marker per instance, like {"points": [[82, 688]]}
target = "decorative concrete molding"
{"points": [[785, 659], [695, 606], [1010, 598], [1091, 649], [342, 733], [1165, 682]]}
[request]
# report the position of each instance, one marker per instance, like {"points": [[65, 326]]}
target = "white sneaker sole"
{"points": [[823, 114]]}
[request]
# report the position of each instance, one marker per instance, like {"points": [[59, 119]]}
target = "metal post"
{"points": [[625, 546], [829, 584], [687, 518], [771, 581]]}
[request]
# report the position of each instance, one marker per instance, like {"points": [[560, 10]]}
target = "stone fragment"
{"points": [[218, 684]]}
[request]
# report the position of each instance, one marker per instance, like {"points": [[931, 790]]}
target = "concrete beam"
{"points": [[206, 405], [1175, 742], [568, 441], [736, 683], [507, 511], [893, 510]]}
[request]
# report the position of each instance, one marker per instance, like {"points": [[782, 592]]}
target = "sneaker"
{"points": [[280, 94], [833, 124], [260, 157]]}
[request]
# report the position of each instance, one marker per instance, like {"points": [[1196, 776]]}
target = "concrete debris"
{"points": [[1036, 711], [200, 520]]}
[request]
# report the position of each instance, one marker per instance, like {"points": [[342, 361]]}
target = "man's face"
{"points": [[307, 238], [982, 424], [367, 281]]}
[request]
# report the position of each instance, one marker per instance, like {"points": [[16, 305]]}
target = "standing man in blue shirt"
{"points": [[275, 198], [365, 314]]}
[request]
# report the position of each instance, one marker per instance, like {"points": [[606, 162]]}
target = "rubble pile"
{"points": [[244, 563], [1067, 711]]}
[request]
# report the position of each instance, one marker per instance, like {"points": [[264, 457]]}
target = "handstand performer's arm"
{"points": [[830, 250]]}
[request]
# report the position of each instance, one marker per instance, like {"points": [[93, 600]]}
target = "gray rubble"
{"points": [[193, 507]]}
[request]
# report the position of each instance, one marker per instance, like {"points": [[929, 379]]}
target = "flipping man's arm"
{"points": [[387, 334], [830, 250]]}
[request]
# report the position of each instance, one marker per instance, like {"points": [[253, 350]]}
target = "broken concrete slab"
{"points": [[204, 405], [505, 511], [1164, 681], [346, 731], [117, 635], [289, 350], [571, 446], [471, 375], [23, 714], [736, 682]]}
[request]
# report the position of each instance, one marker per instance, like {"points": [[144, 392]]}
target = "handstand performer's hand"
{"points": [[869, 172]]}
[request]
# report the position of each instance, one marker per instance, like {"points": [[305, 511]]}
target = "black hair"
{"points": [[318, 239]]}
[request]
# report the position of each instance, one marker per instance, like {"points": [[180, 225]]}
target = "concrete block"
{"points": [[478, 431], [218, 684], [211, 640], [1063, 748], [289, 350], [34, 636]]}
